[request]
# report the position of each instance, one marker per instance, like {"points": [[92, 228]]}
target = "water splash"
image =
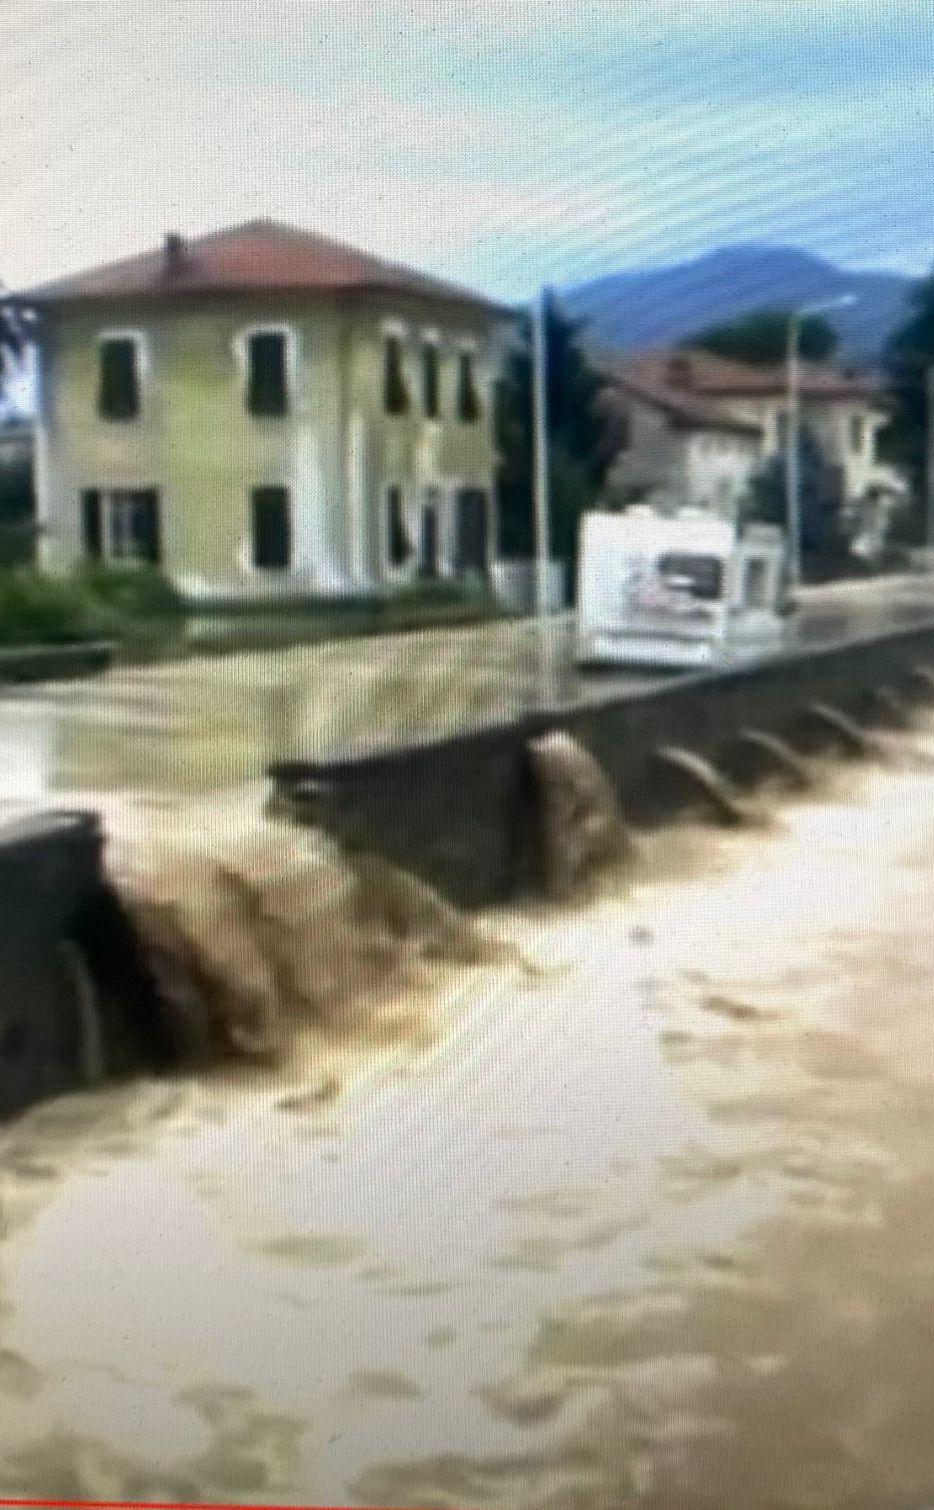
{"points": [[778, 754], [843, 729], [582, 831], [702, 779]]}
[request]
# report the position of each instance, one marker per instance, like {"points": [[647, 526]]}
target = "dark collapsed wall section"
{"points": [[74, 995], [461, 812]]}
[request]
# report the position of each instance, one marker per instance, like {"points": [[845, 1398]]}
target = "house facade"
{"points": [[697, 427], [669, 446], [262, 412]]}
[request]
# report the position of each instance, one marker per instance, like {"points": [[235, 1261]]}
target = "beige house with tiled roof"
{"points": [[669, 445], [675, 400], [264, 412]]}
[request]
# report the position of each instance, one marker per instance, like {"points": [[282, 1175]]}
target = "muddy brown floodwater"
{"points": [[653, 1226]]}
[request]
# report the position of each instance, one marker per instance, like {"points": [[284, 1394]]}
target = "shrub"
{"points": [[41, 610], [130, 593], [129, 606]]}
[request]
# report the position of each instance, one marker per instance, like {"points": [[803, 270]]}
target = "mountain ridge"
{"points": [[639, 308]]}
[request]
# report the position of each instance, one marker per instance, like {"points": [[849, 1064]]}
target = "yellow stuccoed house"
{"points": [[262, 412]]}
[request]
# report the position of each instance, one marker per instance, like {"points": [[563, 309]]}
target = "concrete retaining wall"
{"points": [[76, 1003], [461, 812]]}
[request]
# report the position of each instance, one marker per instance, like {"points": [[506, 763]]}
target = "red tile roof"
{"points": [[261, 255], [634, 379], [698, 376]]}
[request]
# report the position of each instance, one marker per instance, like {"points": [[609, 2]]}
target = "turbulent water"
{"points": [[649, 1223]]}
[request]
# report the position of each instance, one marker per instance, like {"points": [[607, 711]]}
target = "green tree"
{"points": [[909, 355], [823, 544], [576, 434], [761, 338]]}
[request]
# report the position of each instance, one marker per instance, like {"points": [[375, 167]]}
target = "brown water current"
{"points": [[619, 1202]]}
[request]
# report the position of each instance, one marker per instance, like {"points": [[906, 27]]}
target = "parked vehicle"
{"points": [[687, 590]]}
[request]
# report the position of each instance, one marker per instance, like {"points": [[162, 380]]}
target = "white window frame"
{"points": [[142, 361], [241, 351], [109, 497]]}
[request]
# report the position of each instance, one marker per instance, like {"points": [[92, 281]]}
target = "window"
{"points": [[398, 547], [395, 392], [271, 529], [700, 576], [468, 401], [857, 432], [429, 543], [431, 363], [121, 525], [118, 393], [471, 531], [267, 378]]}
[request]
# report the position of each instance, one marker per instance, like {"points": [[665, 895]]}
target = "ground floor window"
{"points": [[429, 562], [398, 547], [471, 531], [122, 525], [271, 528]]}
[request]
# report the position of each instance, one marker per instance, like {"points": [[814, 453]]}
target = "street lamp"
{"points": [[540, 449], [793, 427]]}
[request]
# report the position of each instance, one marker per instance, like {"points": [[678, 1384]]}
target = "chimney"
{"points": [[174, 253], [679, 373]]}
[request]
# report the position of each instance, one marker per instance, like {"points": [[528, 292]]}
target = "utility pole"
{"points": [[540, 449], [792, 456], [929, 468]]}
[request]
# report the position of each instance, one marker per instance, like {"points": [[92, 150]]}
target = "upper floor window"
{"points": [[267, 373], [857, 432], [468, 399], [398, 547], [395, 392], [431, 379], [118, 391]]}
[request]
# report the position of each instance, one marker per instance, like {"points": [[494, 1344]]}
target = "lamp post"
{"points": [[793, 427], [540, 449]]}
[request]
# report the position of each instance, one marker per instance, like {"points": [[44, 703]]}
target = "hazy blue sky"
{"points": [[501, 141]]}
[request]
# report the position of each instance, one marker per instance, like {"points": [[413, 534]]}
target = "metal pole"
{"points": [[792, 449], [929, 470], [540, 450]]}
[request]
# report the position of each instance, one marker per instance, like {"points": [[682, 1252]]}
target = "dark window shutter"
{"points": [[430, 376], [399, 547], [91, 524], [267, 387], [118, 397], [395, 393], [471, 526], [272, 530], [146, 527], [468, 401]]}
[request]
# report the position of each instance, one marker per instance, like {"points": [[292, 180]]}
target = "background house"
{"points": [[701, 426], [669, 445], [262, 411]]}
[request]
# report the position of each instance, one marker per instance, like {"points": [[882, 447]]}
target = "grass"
{"points": [[145, 617]]}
